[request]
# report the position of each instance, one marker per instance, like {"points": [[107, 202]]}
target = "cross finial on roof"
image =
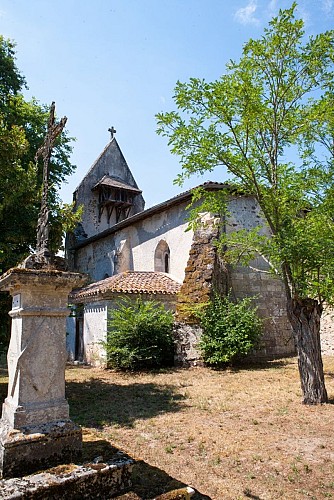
{"points": [[112, 131]]}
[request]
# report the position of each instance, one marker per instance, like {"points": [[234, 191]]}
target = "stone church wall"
{"points": [[327, 331], [206, 272], [258, 282], [277, 340], [95, 325], [133, 247]]}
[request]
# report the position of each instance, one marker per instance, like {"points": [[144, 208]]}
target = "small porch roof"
{"points": [[128, 282]]}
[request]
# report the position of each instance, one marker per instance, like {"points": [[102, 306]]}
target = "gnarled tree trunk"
{"points": [[304, 316]]}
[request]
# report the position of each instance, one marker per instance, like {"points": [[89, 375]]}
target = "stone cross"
{"points": [[112, 131], [54, 129]]}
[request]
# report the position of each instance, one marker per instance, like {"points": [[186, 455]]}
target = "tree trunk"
{"points": [[304, 316]]}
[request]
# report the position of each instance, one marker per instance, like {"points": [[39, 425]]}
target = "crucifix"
{"points": [[112, 131], [54, 129]]}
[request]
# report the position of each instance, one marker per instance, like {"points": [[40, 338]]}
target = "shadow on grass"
{"points": [[247, 365], [95, 403], [249, 494], [147, 481]]}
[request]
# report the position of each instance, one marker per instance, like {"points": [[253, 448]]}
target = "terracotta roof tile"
{"points": [[130, 282]]}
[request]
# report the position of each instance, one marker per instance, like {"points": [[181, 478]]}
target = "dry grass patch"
{"points": [[240, 433], [230, 434]]}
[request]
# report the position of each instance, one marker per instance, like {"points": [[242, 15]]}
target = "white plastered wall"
{"points": [[139, 241], [94, 332]]}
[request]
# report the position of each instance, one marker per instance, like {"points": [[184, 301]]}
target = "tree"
{"points": [[22, 130], [275, 103]]}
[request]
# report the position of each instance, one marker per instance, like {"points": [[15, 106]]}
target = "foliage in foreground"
{"points": [[231, 330], [139, 335], [23, 126]]}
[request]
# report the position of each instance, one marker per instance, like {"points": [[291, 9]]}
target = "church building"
{"points": [[129, 251]]}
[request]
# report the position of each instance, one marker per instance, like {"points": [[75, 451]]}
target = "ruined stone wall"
{"points": [[205, 272]]}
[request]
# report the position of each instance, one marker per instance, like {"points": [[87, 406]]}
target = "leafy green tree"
{"points": [[139, 335], [275, 103], [23, 126], [22, 129]]}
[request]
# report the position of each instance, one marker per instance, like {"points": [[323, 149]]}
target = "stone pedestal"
{"points": [[35, 429]]}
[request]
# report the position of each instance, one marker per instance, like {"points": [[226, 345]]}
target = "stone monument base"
{"points": [[39, 447], [100, 481]]}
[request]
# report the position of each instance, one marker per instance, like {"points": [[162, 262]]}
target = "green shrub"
{"points": [[230, 330], [139, 335]]}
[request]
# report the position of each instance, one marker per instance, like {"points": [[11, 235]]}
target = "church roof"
{"points": [[111, 146], [144, 282], [111, 182], [186, 196]]}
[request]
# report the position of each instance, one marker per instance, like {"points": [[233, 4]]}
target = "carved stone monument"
{"points": [[35, 429]]}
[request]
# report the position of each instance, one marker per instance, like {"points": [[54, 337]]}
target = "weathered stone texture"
{"points": [[92, 481], [270, 299], [186, 338], [38, 447], [327, 331], [205, 272], [256, 281], [35, 429]]}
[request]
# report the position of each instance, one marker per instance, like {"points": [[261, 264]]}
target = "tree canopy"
{"points": [[269, 122], [22, 128]]}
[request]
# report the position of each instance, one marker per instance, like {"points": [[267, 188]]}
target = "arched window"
{"points": [[162, 257]]}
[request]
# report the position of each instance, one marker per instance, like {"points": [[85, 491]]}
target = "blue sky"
{"points": [[116, 62]]}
